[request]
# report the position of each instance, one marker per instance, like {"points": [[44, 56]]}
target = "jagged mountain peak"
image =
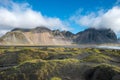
{"points": [[37, 29], [36, 36], [92, 35], [68, 34], [20, 29], [44, 36], [41, 29], [98, 29]]}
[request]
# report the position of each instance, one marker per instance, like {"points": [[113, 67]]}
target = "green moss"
{"points": [[53, 63], [96, 50], [45, 69], [56, 78], [98, 58]]}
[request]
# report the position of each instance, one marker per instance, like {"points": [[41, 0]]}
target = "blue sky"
{"points": [[73, 15], [65, 8]]}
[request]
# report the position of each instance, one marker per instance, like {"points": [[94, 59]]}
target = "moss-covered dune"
{"points": [[59, 64]]}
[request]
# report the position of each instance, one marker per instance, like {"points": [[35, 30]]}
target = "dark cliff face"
{"points": [[96, 36], [57, 33], [66, 34], [118, 40]]}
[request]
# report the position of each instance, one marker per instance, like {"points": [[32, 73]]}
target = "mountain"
{"points": [[119, 40], [44, 36], [36, 36], [65, 34], [93, 35], [14, 37], [34, 30]]}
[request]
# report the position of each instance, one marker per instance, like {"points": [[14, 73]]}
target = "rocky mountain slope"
{"points": [[44, 36], [92, 35], [36, 36]]}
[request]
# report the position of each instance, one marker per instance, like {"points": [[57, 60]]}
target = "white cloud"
{"points": [[21, 15], [100, 19]]}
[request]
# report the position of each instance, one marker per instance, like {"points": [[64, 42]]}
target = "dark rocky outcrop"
{"points": [[21, 29], [93, 35], [40, 29], [102, 73], [37, 29], [66, 34]]}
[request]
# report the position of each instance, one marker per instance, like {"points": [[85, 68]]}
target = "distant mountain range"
{"points": [[44, 36]]}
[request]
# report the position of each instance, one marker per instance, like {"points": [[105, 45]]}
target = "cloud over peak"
{"points": [[14, 15], [101, 19]]}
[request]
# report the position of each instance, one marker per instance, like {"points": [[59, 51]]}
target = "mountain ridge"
{"points": [[92, 35], [44, 36]]}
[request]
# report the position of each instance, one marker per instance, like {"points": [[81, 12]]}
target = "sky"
{"points": [[72, 15]]}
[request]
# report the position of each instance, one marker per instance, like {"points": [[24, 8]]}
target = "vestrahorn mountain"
{"points": [[44, 36], [93, 36]]}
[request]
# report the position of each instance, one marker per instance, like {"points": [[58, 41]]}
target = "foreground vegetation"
{"points": [[48, 63]]}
